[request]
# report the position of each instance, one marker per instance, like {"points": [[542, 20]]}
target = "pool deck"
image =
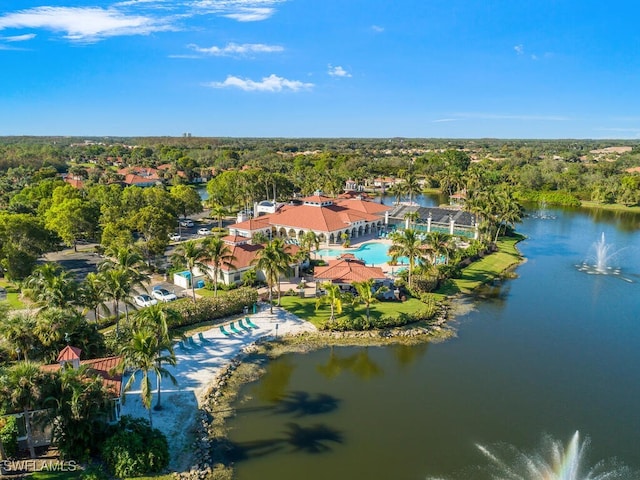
{"points": [[386, 268]]}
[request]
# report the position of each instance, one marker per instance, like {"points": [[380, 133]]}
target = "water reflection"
{"points": [[407, 355], [314, 439], [300, 404], [274, 383], [359, 364]]}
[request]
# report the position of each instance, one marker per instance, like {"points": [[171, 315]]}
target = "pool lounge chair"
{"points": [[224, 332], [234, 329], [182, 345], [243, 326], [202, 339], [248, 321], [191, 343]]}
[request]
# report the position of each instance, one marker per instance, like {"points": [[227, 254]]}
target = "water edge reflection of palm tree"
{"points": [[301, 404], [359, 363]]}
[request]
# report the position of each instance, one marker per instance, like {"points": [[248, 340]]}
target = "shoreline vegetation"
{"points": [[213, 451]]}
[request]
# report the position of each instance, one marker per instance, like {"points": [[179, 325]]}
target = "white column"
{"points": [[429, 223], [451, 224]]}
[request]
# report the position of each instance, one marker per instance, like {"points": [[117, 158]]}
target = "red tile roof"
{"points": [[246, 253], [363, 205], [104, 367], [347, 269]]}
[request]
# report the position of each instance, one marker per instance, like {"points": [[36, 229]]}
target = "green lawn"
{"points": [[487, 268], [13, 294], [610, 206], [306, 308]]}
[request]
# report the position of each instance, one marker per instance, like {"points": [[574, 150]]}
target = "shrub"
{"points": [[211, 308], [135, 449], [9, 436], [94, 472]]}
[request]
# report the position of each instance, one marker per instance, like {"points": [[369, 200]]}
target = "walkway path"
{"points": [[196, 368]]}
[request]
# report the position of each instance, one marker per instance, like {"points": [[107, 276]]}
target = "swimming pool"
{"points": [[371, 253]]}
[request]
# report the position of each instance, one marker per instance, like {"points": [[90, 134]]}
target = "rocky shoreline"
{"points": [[212, 452]]}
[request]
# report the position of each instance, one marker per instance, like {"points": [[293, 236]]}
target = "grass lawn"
{"points": [[55, 475], [487, 268], [610, 206], [13, 294], [305, 308]]}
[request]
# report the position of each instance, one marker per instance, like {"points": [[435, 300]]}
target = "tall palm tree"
{"points": [[21, 387], [333, 297], [273, 260], [439, 244], [18, 331], [79, 404], [410, 186], [143, 354], [93, 295], [51, 286], [123, 271], [117, 287], [367, 293], [220, 255], [192, 255], [407, 243], [309, 240], [219, 211], [158, 319]]}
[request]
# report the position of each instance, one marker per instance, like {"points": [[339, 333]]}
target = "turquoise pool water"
{"points": [[371, 253]]}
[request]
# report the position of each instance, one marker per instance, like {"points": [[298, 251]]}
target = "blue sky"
{"points": [[331, 68]]}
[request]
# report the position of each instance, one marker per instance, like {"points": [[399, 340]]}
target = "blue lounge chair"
{"points": [[243, 326], [248, 321], [191, 342], [224, 332], [182, 345], [234, 329], [202, 339]]}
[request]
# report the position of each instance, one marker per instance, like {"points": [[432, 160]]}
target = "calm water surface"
{"points": [[554, 351]]}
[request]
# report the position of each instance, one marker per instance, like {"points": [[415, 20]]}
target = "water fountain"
{"points": [[553, 461], [602, 260]]}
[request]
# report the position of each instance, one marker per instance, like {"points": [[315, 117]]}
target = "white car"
{"points": [[204, 231], [164, 295], [175, 237], [186, 222], [144, 300]]}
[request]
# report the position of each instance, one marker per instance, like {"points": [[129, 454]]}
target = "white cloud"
{"points": [[519, 49], [232, 49], [338, 71], [272, 83], [251, 14], [443, 120], [240, 10], [377, 28], [84, 23], [19, 38]]}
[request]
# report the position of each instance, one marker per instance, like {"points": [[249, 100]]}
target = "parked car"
{"points": [[175, 237], [144, 300], [186, 222], [164, 295], [204, 231]]}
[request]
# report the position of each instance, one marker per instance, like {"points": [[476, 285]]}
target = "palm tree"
{"points": [[123, 271], [410, 185], [367, 293], [439, 244], [192, 255], [309, 240], [218, 211], [18, 331], [273, 260], [412, 217], [158, 319], [51, 286], [93, 295], [117, 287], [406, 243], [143, 353], [220, 255], [80, 402], [333, 297], [21, 387]]}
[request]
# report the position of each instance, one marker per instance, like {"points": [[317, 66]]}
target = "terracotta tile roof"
{"points": [[139, 175], [363, 205], [69, 353], [348, 270], [246, 253], [169, 166], [322, 219], [253, 224], [235, 239], [633, 170], [317, 199], [74, 182], [103, 367]]}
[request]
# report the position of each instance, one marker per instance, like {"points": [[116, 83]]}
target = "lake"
{"points": [[553, 351]]}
